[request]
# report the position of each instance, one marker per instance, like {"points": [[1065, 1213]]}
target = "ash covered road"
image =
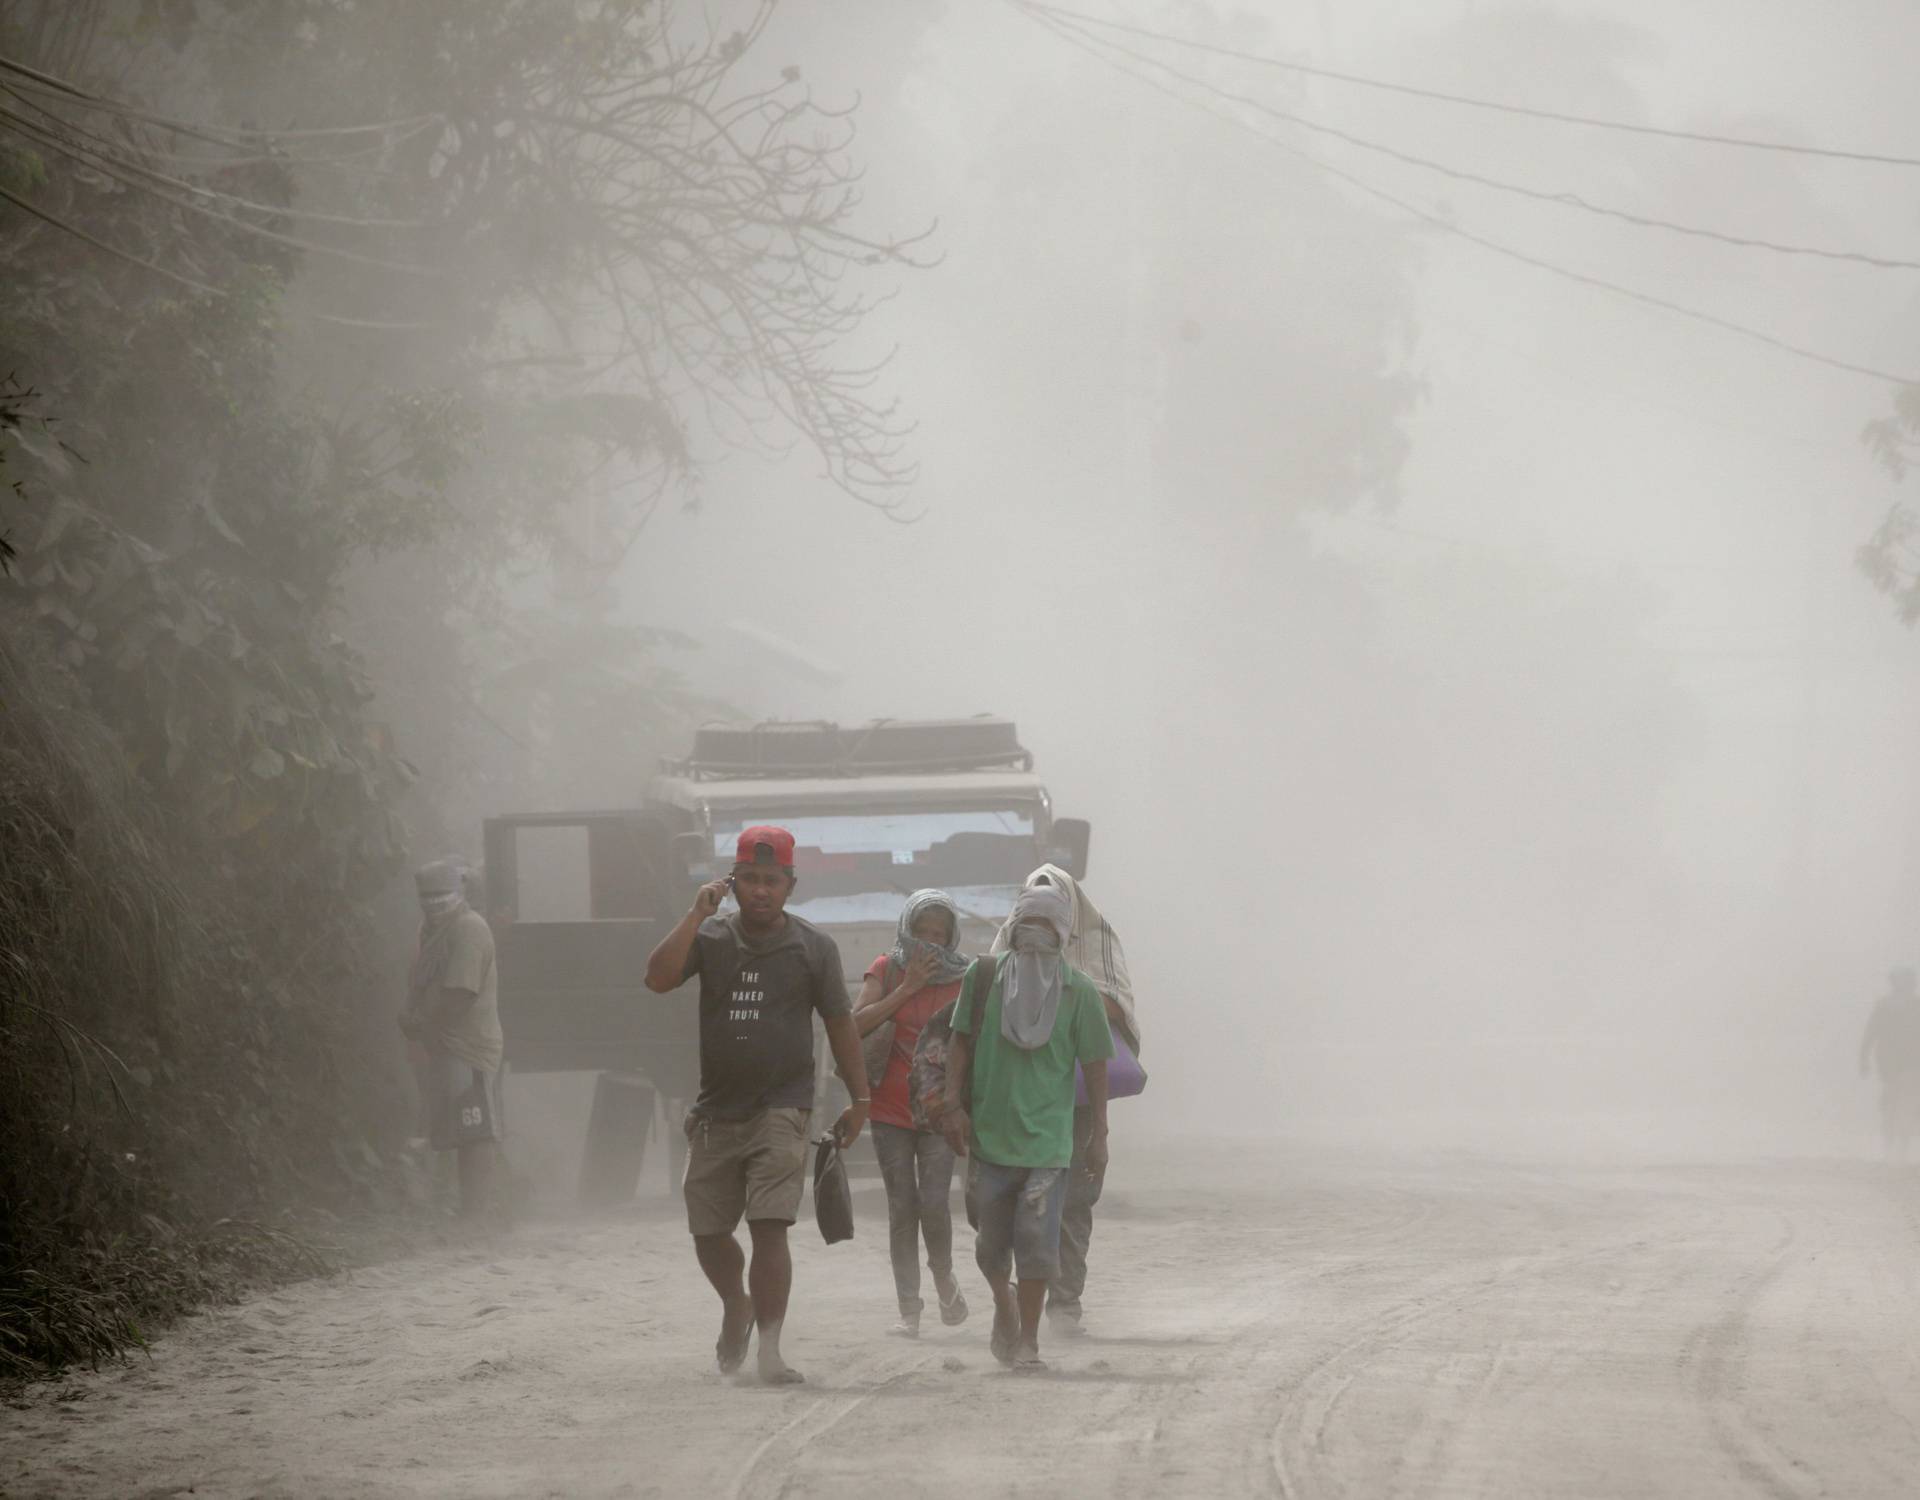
{"points": [[1265, 1323]]}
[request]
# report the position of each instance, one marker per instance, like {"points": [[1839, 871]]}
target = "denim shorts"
{"points": [[1018, 1216]]}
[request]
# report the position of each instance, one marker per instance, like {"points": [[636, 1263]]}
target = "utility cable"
{"points": [[1092, 46], [119, 153], [1502, 185], [241, 135], [67, 227], [1596, 122], [123, 173], [114, 250]]}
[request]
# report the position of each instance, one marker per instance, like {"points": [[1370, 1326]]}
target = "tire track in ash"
{"points": [[772, 1467], [1295, 1440], [1191, 1439], [1711, 1361], [1295, 1444], [1865, 1410]]}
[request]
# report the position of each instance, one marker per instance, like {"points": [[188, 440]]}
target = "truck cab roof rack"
{"points": [[882, 747]]}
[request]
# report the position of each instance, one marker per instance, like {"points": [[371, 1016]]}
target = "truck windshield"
{"points": [[855, 867]]}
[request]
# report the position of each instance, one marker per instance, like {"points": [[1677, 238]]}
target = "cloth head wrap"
{"points": [[1094, 949], [439, 886], [948, 962], [1032, 978], [442, 897]]}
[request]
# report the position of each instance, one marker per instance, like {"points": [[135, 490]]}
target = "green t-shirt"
{"points": [[1022, 1102]]}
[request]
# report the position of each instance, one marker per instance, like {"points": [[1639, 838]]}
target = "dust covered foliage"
{"points": [[323, 323], [161, 1097]]}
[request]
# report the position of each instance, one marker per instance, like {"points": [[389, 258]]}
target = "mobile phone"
{"points": [[730, 885]]}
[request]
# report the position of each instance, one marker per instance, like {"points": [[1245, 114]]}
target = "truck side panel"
{"points": [[572, 998]]}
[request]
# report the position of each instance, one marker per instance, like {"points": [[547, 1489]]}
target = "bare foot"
{"points": [[736, 1330], [778, 1372], [1026, 1358], [953, 1302]]}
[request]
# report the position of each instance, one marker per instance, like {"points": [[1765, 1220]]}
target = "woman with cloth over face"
{"points": [[907, 987]]}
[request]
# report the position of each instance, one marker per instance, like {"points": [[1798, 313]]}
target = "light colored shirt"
{"points": [[474, 1036]]}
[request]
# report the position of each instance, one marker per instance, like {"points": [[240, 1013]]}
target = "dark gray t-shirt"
{"points": [[757, 1003]]}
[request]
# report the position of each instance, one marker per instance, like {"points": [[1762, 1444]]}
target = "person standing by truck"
{"points": [[1023, 1022], [452, 1018], [903, 989], [764, 974]]}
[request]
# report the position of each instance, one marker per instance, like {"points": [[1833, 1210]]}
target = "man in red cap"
{"points": [[764, 975]]}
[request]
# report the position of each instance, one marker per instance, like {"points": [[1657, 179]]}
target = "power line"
{"points": [[114, 250], [120, 154], [67, 227], [1502, 185], [1596, 122], [126, 173], [241, 135], [1079, 39]]}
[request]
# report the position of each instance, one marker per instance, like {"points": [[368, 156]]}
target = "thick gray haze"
{"points": [[1550, 782], [1453, 557]]}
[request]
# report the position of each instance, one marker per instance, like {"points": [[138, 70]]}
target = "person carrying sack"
{"points": [[903, 989], [1093, 948], [1024, 1023]]}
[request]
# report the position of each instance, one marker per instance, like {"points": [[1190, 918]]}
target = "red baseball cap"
{"points": [[764, 835]]}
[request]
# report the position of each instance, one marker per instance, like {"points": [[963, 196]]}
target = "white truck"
{"points": [[877, 811]]}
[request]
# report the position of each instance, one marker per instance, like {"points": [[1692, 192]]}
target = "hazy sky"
{"points": [[1572, 774]]}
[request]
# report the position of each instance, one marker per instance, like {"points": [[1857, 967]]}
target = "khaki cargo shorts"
{"points": [[753, 1169]]}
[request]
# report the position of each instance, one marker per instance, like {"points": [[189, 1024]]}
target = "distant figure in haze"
{"points": [[1010, 1101], [764, 975], [1891, 1044], [453, 1018], [1094, 949], [902, 991]]}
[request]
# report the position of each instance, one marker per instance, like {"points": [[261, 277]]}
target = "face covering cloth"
{"points": [[441, 899], [1031, 978], [948, 963], [1093, 948]]}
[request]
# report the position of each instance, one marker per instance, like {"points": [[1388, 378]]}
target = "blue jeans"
{"points": [[917, 1167], [1018, 1211], [1076, 1225]]}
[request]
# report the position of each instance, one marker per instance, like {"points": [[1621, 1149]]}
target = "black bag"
{"points": [[832, 1198]]}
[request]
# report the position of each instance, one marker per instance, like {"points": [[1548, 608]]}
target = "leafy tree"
{"points": [[344, 307], [564, 235], [1890, 558]]}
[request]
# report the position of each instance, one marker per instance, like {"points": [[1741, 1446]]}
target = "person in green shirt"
{"points": [[1010, 1097]]}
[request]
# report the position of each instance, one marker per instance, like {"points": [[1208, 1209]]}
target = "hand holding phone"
{"points": [[706, 901]]}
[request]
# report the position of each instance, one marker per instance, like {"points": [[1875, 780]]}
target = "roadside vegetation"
{"points": [[327, 323]]}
